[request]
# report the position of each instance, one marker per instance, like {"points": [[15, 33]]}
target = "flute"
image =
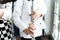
{"points": [[32, 21]]}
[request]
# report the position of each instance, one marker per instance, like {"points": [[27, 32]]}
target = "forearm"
{"points": [[20, 24]]}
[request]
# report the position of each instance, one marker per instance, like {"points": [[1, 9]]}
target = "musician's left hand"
{"points": [[36, 14]]}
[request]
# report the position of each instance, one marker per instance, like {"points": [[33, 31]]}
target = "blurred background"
{"points": [[52, 18]]}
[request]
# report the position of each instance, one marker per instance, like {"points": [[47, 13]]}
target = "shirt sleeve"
{"points": [[7, 11], [17, 14]]}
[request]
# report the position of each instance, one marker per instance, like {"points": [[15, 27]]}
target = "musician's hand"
{"points": [[29, 30], [36, 14], [31, 26], [1, 13]]}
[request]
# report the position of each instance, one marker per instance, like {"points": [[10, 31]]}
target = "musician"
{"points": [[22, 18]]}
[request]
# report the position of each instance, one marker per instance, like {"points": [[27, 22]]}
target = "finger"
{"points": [[32, 13], [34, 16], [27, 32], [31, 26], [31, 31], [32, 35]]}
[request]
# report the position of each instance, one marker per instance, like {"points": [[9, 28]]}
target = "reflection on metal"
{"points": [[59, 30], [59, 26], [32, 21]]}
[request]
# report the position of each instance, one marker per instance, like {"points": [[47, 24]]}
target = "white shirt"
{"points": [[21, 17]]}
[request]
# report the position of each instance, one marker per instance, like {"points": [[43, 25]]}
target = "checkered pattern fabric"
{"points": [[5, 30]]}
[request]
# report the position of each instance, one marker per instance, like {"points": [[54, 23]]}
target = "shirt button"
{"points": [[5, 6], [37, 2], [37, 9], [40, 23]]}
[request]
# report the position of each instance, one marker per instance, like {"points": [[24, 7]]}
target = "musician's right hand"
{"points": [[29, 30], [36, 14], [1, 13]]}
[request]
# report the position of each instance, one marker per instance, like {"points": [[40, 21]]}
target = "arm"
{"points": [[27, 29], [17, 14]]}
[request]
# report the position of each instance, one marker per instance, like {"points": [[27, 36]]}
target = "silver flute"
{"points": [[32, 21]]}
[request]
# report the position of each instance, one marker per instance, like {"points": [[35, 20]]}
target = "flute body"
{"points": [[32, 21]]}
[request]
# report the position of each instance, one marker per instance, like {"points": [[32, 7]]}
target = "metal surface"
{"points": [[32, 21]]}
